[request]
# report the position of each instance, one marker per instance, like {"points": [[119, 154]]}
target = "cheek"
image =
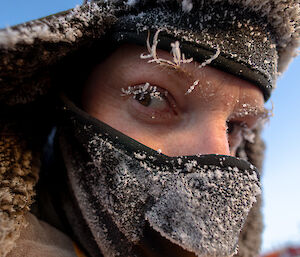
{"points": [[103, 103]]}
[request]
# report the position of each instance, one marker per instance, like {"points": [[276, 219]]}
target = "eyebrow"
{"points": [[177, 71], [248, 110]]}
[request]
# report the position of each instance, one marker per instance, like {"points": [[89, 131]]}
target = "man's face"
{"points": [[149, 103], [157, 112]]}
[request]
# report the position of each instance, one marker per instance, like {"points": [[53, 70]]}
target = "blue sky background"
{"points": [[281, 180]]}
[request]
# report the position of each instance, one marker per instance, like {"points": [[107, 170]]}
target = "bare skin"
{"points": [[210, 120]]}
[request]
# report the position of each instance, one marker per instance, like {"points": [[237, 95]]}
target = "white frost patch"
{"points": [[159, 151], [218, 174], [190, 165], [145, 166], [54, 29], [235, 169], [132, 2], [178, 58], [139, 156], [253, 176], [187, 5], [179, 160]]}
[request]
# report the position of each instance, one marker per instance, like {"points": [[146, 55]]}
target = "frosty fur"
{"points": [[24, 77]]}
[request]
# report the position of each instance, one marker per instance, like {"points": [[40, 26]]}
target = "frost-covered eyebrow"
{"points": [[192, 75], [249, 110]]}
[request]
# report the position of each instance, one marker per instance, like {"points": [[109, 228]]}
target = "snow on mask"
{"points": [[197, 202]]}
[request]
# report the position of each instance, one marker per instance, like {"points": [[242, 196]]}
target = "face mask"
{"points": [[121, 186]]}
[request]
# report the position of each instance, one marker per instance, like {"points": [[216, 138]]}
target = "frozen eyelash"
{"points": [[141, 90]]}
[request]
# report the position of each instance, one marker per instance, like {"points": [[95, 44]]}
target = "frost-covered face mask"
{"points": [[121, 187]]}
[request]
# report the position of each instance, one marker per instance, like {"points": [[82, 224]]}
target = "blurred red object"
{"points": [[285, 252]]}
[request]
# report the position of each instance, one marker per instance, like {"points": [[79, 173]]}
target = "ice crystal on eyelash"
{"points": [[178, 57], [142, 90]]}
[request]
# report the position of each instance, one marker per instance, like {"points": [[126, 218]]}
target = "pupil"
{"points": [[144, 99]]}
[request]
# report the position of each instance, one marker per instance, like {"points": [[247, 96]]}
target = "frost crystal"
{"points": [[140, 156], [192, 87], [208, 61], [178, 58], [132, 2], [140, 91]]}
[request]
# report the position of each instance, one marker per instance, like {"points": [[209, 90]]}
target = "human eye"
{"points": [[151, 103]]}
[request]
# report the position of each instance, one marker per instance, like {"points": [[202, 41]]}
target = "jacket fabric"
{"points": [[30, 57]]}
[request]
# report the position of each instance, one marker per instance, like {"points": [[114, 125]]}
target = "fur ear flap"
{"points": [[18, 176], [250, 236]]}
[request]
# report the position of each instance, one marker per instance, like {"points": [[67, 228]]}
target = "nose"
{"points": [[205, 136], [212, 138]]}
